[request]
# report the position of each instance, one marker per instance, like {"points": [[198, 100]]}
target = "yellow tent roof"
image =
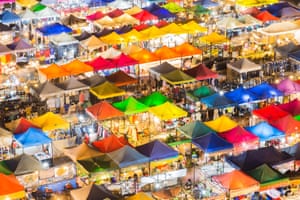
{"points": [[92, 43], [133, 10], [106, 90], [27, 3], [214, 38], [221, 124], [139, 196], [82, 152], [152, 32], [144, 56], [193, 27], [167, 111], [106, 21], [50, 121], [131, 49], [126, 19], [112, 38], [173, 29], [253, 3], [133, 36]]}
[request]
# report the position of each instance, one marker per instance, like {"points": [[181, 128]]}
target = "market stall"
{"points": [[11, 188], [93, 191]]}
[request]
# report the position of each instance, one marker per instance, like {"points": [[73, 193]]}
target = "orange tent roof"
{"points": [[53, 71], [10, 188], [103, 110], [109, 144], [265, 16], [76, 67], [186, 49], [166, 53], [144, 56]]}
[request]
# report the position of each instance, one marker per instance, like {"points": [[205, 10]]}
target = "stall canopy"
{"points": [[221, 124], [193, 27], [54, 29], [288, 86], [241, 96], [98, 164], [217, 100], [92, 43], [140, 195], [95, 16], [110, 144], [244, 65], [186, 49], [202, 91], [287, 49], [165, 53], [20, 125], [238, 136], [32, 137], [267, 155], [265, 131], [11, 188], [295, 55], [4, 169], [130, 106], [100, 63], [5, 137], [271, 112], [81, 152], [53, 71], [93, 80], [281, 28], [289, 12], [268, 177], [292, 107], [47, 13], [265, 91], [213, 38], [83, 36], [76, 67], [133, 10], [111, 53], [107, 90], [93, 192], [287, 124], [176, 77], [48, 89], [8, 17], [156, 150], [228, 23], [20, 46], [162, 13], [112, 38], [23, 164], [50, 121], [145, 16], [103, 110], [265, 16], [167, 111], [4, 49], [144, 56], [72, 85], [195, 129], [237, 183], [152, 32], [121, 78], [127, 156], [293, 150], [163, 68], [132, 49], [73, 20], [154, 99], [212, 143], [26, 3], [173, 7], [201, 72]]}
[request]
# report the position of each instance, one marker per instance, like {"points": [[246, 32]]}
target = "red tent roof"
{"points": [[201, 72], [287, 124], [144, 16], [123, 60], [265, 16], [292, 107], [271, 112], [109, 144], [103, 110], [100, 63], [161, 24], [23, 125], [95, 16], [238, 135], [141, 27], [115, 13]]}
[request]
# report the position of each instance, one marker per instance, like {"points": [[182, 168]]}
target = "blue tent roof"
{"points": [[32, 137], [274, 9], [8, 17], [265, 131], [156, 150], [241, 95], [127, 156], [163, 13], [96, 3], [152, 7], [206, 3], [54, 29], [217, 101], [295, 55], [211, 143], [265, 91]]}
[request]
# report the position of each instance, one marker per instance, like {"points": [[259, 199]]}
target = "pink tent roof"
{"points": [[123, 60], [292, 107], [144, 16], [265, 16], [238, 135], [95, 16], [287, 124], [115, 13], [271, 112], [100, 63], [288, 86], [201, 72]]}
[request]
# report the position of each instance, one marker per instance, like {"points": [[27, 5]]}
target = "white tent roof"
{"points": [[280, 28], [28, 15], [110, 53], [5, 137], [120, 4], [243, 66], [229, 23], [248, 20], [47, 13], [63, 39]]}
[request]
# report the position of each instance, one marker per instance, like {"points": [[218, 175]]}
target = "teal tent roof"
{"points": [[130, 106], [195, 129]]}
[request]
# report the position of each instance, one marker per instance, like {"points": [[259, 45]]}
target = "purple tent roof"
{"points": [[20, 45], [289, 12], [156, 150], [4, 49], [288, 86], [292, 107]]}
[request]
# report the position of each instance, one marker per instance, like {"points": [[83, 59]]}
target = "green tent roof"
{"points": [[38, 7], [203, 91], [154, 99], [200, 10], [173, 7], [297, 117], [195, 129], [4, 169], [177, 77], [130, 106]]}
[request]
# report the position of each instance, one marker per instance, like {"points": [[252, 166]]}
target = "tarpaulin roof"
{"points": [[287, 124], [244, 65], [130, 106], [126, 19], [270, 112], [200, 10], [11, 188], [292, 107], [221, 124], [141, 27], [249, 20], [265, 91], [213, 38], [212, 143], [93, 192], [193, 27], [72, 84], [228, 23], [8, 17], [62, 39], [280, 28], [47, 13], [177, 77], [123, 61], [288, 86], [109, 144], [133, 36], [267, 177], [293, 150], [241, 96], [133, 10], [162, 13], [163, 68], [201, 72], [94, 80], [95, 16], [154, 99], [144, 56], [265, 16], [152, 32], [237, 183], [92, 43], [202, 91], [173, 28], [72, 20], [76, 67], [115, 13], [217, 101], [156, 150], [112, 38], [168, 111], [186, 49], [267, 155], [32, 137], [106, 22], [103, 110], [209, 3], [20, 46], [53, 29], [48, 89], [173, 7], [144, 16], [50, 121], [110, 53], [106, 90], [20, 125], [195, 129], [53, 71], [81, 152], [120, 4], [131, 49], [100, 63], [121, 78], [165, 53], [23, 164], [238, 136], [127, 156], [265, 131]]}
